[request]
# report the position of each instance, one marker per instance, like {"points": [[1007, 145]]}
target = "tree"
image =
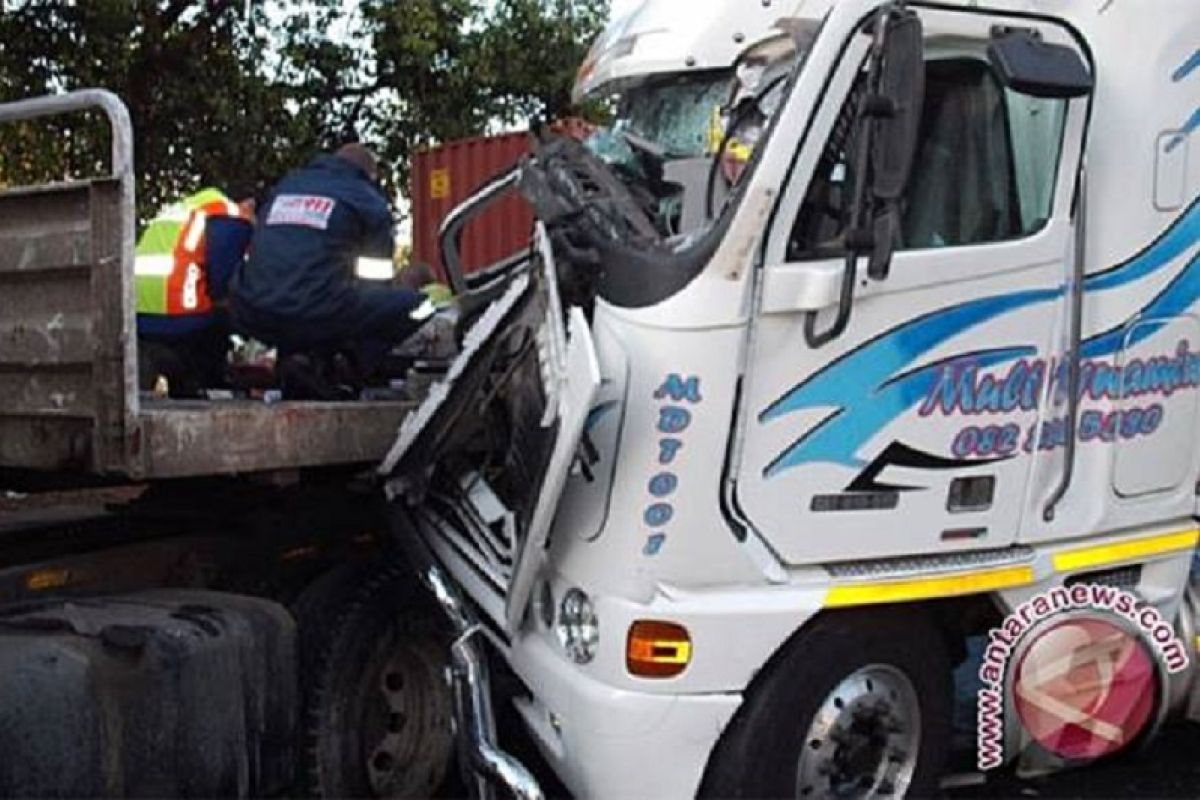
{"points": [[532, 51], [421, 72], [233, 93], [203, 111]]}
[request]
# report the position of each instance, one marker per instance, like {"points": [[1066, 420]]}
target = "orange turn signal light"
{"points": [[44, 580], [657, 649]]}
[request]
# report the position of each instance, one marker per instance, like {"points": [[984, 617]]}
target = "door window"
{"points": [[985, 169]]}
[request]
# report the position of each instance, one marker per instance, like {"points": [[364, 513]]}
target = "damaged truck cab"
{"points": [[866, 328]]}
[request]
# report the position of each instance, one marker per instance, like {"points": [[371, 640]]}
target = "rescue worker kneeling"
{"points": [[298, 290], [184, 262]]}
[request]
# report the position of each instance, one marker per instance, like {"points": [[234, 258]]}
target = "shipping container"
{"points": [[442, 177]]}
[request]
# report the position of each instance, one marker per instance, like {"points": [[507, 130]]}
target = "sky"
{"points": [[621, 6]]}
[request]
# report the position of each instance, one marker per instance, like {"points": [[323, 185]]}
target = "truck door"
{"points": [[910, 432]]}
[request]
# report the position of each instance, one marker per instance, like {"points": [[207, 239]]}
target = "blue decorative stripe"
{"points": [[1177, 240], [597, 414], [1188, 67], [867, 392], [838, 439], [1187, 130]]}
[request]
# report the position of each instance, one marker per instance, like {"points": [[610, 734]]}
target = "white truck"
{"points": [[866, 349]]}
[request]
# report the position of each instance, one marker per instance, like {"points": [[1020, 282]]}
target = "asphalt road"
{"points": [[1168, 767]]}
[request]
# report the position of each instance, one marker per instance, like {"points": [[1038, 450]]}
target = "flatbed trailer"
{"points": [[233, 581], [68, 348]]}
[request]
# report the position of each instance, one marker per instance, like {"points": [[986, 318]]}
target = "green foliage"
{"points": [[202, 112], [233, 93]]}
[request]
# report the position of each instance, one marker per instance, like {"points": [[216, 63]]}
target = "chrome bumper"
{"points": [[483, 762]]}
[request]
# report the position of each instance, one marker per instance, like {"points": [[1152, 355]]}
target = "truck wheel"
{"points": [[379, 710], [316, 610], [857, 704]]}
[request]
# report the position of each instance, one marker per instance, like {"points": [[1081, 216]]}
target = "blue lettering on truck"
{"points": [[673, 421]]}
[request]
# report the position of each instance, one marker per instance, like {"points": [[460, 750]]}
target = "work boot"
{"points": [[301, 377]]}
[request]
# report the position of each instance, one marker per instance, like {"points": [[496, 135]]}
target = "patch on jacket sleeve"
{"points": [[311, 211]]}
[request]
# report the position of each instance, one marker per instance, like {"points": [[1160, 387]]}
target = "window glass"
{"points": [[1037, 129], [985, 169]]}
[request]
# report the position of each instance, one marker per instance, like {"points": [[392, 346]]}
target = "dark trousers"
{"points": [[376, 320], [191, 361]]}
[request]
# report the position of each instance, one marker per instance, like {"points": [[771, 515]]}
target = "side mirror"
{"points": [[894, 115], [889, 125], [1028, 65], [900, 97]]}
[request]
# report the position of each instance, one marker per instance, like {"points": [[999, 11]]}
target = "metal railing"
{"points": [[114, 375]]}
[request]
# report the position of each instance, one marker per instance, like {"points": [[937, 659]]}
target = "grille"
{"points": [[1125, 578], [931, 565]]}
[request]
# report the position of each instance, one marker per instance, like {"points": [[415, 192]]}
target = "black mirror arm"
{"points": [[815, 338]]}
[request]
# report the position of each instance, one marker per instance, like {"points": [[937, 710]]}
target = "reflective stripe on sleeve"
{"points": [[195, 232], [423, 311], [375, 269]]}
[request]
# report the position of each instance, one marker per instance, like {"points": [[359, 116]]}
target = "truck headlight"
{"points": [[577, 626]]}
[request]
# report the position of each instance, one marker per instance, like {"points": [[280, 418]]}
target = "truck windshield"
{"points": [[683, 145], [676, 114]]}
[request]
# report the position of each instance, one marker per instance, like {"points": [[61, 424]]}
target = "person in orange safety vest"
{"points": [[182, 267]]}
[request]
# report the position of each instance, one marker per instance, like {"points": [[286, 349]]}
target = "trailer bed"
{"points": [[69, 400]]}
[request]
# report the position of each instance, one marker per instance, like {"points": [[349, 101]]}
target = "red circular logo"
{"points": [[1085, 688]]}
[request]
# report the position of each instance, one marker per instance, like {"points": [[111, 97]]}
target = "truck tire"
{"points": [[317, 610], [856, 704], [379, 708]]}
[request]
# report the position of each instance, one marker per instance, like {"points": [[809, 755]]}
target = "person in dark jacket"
{"points": [[298, 290]]}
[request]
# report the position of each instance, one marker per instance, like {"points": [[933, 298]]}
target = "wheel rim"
{"points": [[398, 706], [864, 739]]}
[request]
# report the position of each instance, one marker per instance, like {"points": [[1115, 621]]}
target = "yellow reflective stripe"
{"points": [[155, 266], [964, 583], [1104, 555], [954, 585]]}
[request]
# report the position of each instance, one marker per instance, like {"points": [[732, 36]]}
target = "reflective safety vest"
{"points": [[169, 267]]}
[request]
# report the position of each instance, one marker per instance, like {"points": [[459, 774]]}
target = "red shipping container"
{"points": [[444, 176]]}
